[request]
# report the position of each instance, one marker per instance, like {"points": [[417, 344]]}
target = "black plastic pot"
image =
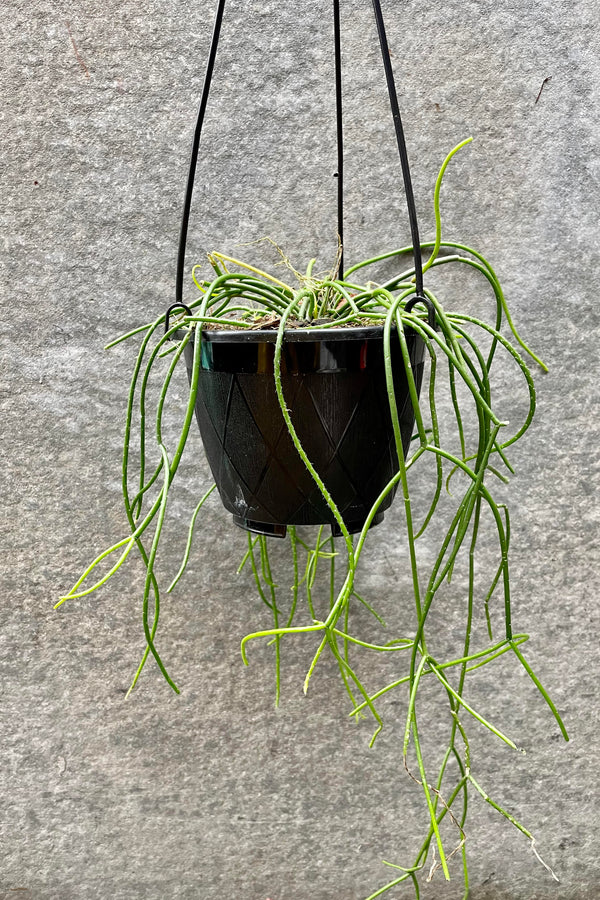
{"points": [[334, 386]]}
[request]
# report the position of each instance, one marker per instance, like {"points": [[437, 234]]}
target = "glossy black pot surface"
{"points": [[334, 386]]}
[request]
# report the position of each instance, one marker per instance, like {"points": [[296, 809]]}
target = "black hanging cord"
{"points": [[170, 310], [389, 74], [410, 199], [194, 155], [340, 130], [419, 298]]}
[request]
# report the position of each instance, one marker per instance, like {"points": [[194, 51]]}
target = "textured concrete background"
{"points": [[214, 794]]}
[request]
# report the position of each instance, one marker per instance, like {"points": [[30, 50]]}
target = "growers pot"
{"points": [[334, 385]]}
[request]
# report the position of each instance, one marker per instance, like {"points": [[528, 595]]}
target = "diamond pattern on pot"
{"points": [[343, 422]]}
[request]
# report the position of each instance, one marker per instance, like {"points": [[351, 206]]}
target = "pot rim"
{"points": [[295, 335]]}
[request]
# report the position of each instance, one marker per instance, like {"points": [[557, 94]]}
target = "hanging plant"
{"points": [[307, 394], [246, 325]]}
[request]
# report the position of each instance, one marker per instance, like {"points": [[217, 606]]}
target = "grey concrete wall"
{"points": [[214, 794]]}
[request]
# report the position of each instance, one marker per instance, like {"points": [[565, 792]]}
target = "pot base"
{"points": [[268, 529]]}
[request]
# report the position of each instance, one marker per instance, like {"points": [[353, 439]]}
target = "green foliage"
{"points": [[468, 447]]}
